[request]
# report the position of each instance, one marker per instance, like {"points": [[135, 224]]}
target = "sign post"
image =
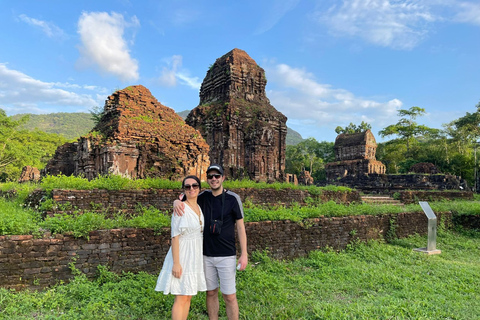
{"points": [[432, 230]]}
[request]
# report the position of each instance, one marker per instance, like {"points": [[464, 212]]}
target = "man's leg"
{"points": [[211, 277], [212, 304], [231, 305]]}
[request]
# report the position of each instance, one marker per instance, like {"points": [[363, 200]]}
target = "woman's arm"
{"points": [[177, 268]]}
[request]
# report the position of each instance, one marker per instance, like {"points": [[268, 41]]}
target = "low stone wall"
{"points": [[27, 262], [408, 197], [162, 199], [382, 183]]}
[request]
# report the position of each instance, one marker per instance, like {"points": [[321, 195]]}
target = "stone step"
{"points": [[381, 200]]}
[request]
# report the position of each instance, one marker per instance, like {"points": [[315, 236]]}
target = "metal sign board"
{"points": [[428, 211]]}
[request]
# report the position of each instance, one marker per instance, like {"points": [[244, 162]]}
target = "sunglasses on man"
{"points": [[194, 186], [216, 176]]}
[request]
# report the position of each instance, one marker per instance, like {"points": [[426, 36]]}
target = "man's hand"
{"points": [[243, 261], [178, 208]]}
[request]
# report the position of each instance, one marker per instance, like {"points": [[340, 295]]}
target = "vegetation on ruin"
{"points": [[375, 280], [115, 182], [17, 218]]}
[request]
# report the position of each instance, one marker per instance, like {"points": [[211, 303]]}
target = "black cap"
{"points": [[215, 167]]}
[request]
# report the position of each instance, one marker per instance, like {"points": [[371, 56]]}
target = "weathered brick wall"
{"points": [[29, 262], [35, 263], [415, 196], [383, 183], [162, 199]]}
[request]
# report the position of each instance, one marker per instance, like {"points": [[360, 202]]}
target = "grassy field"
{"points": [[366, 281]]}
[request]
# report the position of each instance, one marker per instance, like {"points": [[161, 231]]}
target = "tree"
{"points": [[96, 114], [406, 128], [8, 129], [19, 148], [468, 126], [352, 128], [309, 155]]}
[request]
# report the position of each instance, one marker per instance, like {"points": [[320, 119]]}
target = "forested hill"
{"points": [[73, 125], [69, 125]]}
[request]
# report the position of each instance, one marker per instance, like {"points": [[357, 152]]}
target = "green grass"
{"points": [[115, 182], [16, 219], [366, 281]]}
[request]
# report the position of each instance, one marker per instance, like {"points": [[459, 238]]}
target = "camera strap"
{"points": [[223, 206]]}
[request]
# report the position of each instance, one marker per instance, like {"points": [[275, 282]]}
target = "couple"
{"points": [[185, 271]]}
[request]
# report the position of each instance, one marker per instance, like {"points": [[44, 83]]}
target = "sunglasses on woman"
{"points": [[216, 176], [194, 186]]}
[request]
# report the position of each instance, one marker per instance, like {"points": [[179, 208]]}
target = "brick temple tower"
{"points": [[246, 134]]}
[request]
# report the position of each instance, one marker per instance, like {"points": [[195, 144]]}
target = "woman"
{"points": [[182, 273]]}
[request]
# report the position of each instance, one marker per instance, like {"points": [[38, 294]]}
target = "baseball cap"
{"points": [[215, 167]]}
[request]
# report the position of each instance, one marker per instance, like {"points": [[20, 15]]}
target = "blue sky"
{"points": [[328, 63]]}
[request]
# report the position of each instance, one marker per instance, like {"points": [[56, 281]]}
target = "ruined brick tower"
{"points": [[354, 156], [246, 134], [137, 137]]}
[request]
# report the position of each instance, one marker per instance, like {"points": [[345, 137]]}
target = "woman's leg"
{"points": [[181, 307]]}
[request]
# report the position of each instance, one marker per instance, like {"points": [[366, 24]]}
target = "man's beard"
{"points": [[217, 188]]}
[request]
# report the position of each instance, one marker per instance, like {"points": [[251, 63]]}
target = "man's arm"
{"points": [[242, 238], [178, 208]]}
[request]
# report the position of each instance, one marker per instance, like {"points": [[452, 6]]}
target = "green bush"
{"points": [[15, 219]]}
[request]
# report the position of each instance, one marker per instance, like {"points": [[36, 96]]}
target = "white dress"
{"points": [[191, 257]]}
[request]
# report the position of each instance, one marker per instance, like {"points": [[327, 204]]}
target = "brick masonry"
{"points": [[28, 262], [127, 200]]}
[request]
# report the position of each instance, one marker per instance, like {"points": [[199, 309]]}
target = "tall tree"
{"points": [[406, 128], [468, 126]]}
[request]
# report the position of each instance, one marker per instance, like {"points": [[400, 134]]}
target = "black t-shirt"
{"points": [[221, 245]]}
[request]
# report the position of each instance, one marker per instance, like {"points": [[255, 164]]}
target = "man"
{"points": [[219, 250]]}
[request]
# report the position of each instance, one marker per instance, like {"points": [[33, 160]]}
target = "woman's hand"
{"points": [[177, 270]]}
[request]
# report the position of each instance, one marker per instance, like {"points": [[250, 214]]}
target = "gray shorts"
{"points": [[223, 269]]}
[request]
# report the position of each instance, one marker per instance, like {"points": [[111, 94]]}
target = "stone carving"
{"points": [[136, 137], [246, 134], [29, 173], [355, 156]]}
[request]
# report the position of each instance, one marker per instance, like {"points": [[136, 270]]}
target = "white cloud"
{"points": [[314, 106], [167, 76], [103, 44], [468, 13], [192, 82], [50, 29], [173, 71], [396, 24], [20, 93]]}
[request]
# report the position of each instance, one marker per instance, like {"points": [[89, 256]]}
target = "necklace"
{"points": [[196, 209]]}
